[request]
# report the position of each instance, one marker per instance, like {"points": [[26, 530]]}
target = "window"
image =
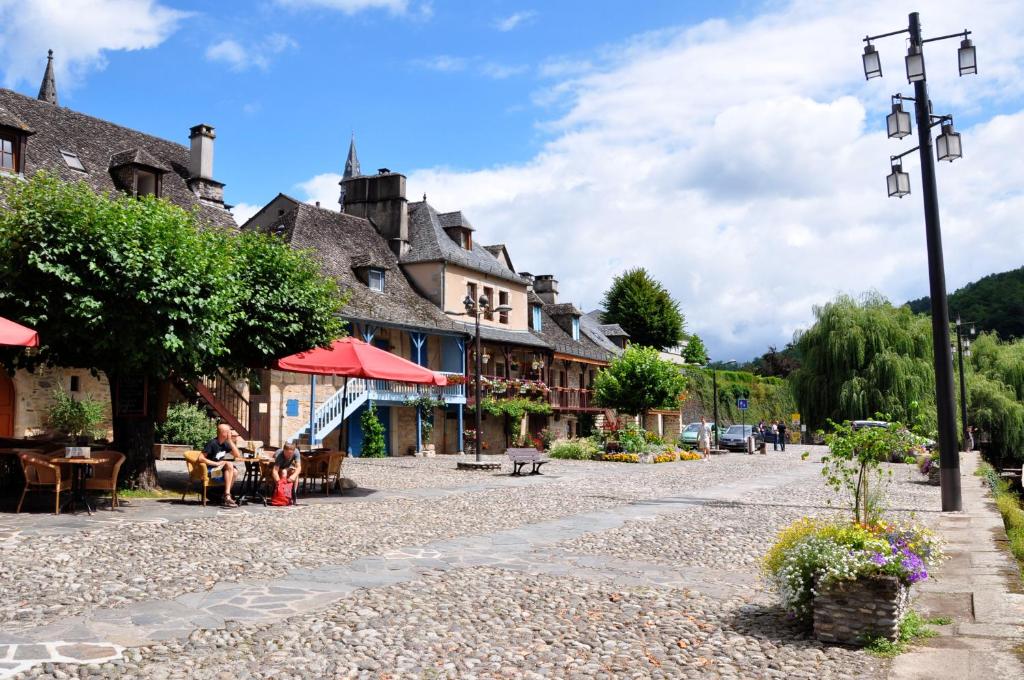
{"points": [[8, 152], [536, 318], [146, 183], [575, 328], [375, 280], [466, 239], [74, 383], [489, 294], [503, 300], [72, 160], [471, 292]]}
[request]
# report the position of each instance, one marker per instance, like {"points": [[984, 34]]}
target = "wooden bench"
{"points": [[520, 457]]}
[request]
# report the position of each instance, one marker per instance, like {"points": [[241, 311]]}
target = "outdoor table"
{"points": [[80, 469], [252, 479]]}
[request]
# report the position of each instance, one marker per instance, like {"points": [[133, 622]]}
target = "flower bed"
{"points": [[850, 580], [689, 455], [618, 457]]}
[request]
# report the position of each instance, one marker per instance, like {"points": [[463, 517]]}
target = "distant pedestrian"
{"points": [[782, 434], [970, 437], [775, 437], [704, 438]]}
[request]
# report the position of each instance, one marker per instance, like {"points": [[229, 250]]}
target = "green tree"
{"points": [[638, 381], [995, 394], [374, 445], [695, 352], [644, 309], [861, 358], [138, 289]]}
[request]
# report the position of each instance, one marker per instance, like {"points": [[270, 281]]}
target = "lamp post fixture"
{"points": [[963, 352], [898, 185], [476, 308]]}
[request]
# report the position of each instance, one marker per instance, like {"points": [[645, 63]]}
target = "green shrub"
{"points": [[75, 417], [573, 449], [632, 439], [186, 424], [374, 445]]}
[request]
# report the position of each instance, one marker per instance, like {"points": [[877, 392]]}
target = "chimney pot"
{"points": [[201, 158]]}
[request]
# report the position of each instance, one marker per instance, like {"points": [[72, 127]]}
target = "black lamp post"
{"points": [[962, 352], [948, 148], [476, 308]]}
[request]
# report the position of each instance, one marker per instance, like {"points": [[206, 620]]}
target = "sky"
{"points": [[733, 149]]}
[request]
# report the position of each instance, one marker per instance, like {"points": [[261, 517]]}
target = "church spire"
{"points": [[352, 162], [48, 88]]}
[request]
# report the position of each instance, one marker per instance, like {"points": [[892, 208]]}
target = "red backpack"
{"points": [[282, 493]]}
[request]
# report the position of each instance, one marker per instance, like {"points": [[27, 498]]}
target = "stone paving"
{"points": [[593, 570]]}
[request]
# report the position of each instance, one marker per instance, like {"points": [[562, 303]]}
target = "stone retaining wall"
{"points": [[851, 611]]}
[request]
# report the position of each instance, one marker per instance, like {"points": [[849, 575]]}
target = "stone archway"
{"points": [[6, 405]]}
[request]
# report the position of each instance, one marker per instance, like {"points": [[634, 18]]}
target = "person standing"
{"points": [[775, 437], [782, 434], [704, 438]]}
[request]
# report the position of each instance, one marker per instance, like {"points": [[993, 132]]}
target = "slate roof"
{"points": [[563, 308], [428, 242], [454, 219], [592, 330], [342, 243], [138, 157], [613, 330], [492, 334], [96, 141], [555, 337]]}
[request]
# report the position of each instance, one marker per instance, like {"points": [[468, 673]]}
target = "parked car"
{"points": [[912, 439], [734, 437], [689, 435]]}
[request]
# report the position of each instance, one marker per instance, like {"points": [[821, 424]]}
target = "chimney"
{"points": [[200, 165], [546, 287], [380, 199], [529, 279]]}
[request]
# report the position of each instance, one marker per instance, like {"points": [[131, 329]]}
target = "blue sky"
{"points": [[732, 149]]}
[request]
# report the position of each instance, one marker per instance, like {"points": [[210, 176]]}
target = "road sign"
{"points": [[741, 404]]}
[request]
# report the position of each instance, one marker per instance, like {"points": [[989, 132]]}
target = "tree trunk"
{"points": [[135, 432]]}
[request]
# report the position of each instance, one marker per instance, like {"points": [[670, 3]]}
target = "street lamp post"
{"points": [[476, 308], [899, 186], [961, 353]]}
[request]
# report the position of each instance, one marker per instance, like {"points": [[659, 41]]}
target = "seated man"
{"points": [[219, 454], [287, 463]]}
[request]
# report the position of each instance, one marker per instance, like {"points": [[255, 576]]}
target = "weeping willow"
{"points": [[863, 357], [995, 392]]}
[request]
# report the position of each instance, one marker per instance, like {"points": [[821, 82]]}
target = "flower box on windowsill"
{"points": [[851, 612]]}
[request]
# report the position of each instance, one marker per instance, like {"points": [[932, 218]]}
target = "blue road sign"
{"points": [[741, 404]]}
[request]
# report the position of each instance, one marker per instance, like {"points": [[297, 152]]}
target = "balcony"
{"points": [[391, 391], [573, 399]]}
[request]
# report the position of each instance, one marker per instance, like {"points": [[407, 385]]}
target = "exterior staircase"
{"points": [[219, 395], [333, 412]]}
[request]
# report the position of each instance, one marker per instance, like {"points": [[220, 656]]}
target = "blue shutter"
{"points": [[536, 318], [575, 328]]}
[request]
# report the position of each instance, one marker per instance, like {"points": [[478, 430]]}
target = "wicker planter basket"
{"points": [[849, 612]]}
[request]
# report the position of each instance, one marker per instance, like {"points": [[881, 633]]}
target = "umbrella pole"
{"points": [[344, 419], [312, 411]]}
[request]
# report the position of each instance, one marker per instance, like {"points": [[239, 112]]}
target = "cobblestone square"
{"points": [[591, 570]]}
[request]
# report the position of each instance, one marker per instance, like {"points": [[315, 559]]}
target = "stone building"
{"points": [[36, 133]]}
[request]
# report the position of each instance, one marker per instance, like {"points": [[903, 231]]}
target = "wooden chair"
{"points": [[40, 475], [197, 473], [314, 469], [105, 472], [332, 476]]}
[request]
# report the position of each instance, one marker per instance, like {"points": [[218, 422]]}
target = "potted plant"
{"points": [[77, 420], [186, 428]]}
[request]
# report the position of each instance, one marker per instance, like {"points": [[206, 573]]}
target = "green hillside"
{"points": [[994, 303]]}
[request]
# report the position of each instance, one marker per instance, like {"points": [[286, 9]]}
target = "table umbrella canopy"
{"points": [[354, 358], [15, 334]]}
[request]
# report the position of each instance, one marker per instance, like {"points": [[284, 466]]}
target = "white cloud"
{"points": [[445, 63], [355, 6], [80, 32], [513, 21], [238, 58], [243, 211], [743, 164]]}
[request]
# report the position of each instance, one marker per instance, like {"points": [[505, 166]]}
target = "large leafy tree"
{"points": [[644, 309], [995, 393], [138, 290], [639, 380], [863, 357], [695, 351]]}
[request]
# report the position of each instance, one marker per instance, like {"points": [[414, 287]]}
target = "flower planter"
{"points": [[849, 612], [933, 474]]}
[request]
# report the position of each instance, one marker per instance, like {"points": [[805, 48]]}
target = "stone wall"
{"points": [[33, 396], [851, 611], [284, 386]]}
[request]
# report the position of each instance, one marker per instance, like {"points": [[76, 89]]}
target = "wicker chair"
{"points": [[105, 472], [42, 475], [314, 469], [332, 478], [197, 474]]}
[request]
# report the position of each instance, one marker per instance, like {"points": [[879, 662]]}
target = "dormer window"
{"points": [[137, 172], [72, 160], [10, 151], [146, 183], [375, 279], [576, 328]]}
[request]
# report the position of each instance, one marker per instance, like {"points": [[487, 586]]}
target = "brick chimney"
{"points": [[380, 199], [200, 165], [546, 287]]}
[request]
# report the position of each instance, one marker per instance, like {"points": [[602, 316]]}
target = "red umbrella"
{"points": [[354, 358], [15, 334]]}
